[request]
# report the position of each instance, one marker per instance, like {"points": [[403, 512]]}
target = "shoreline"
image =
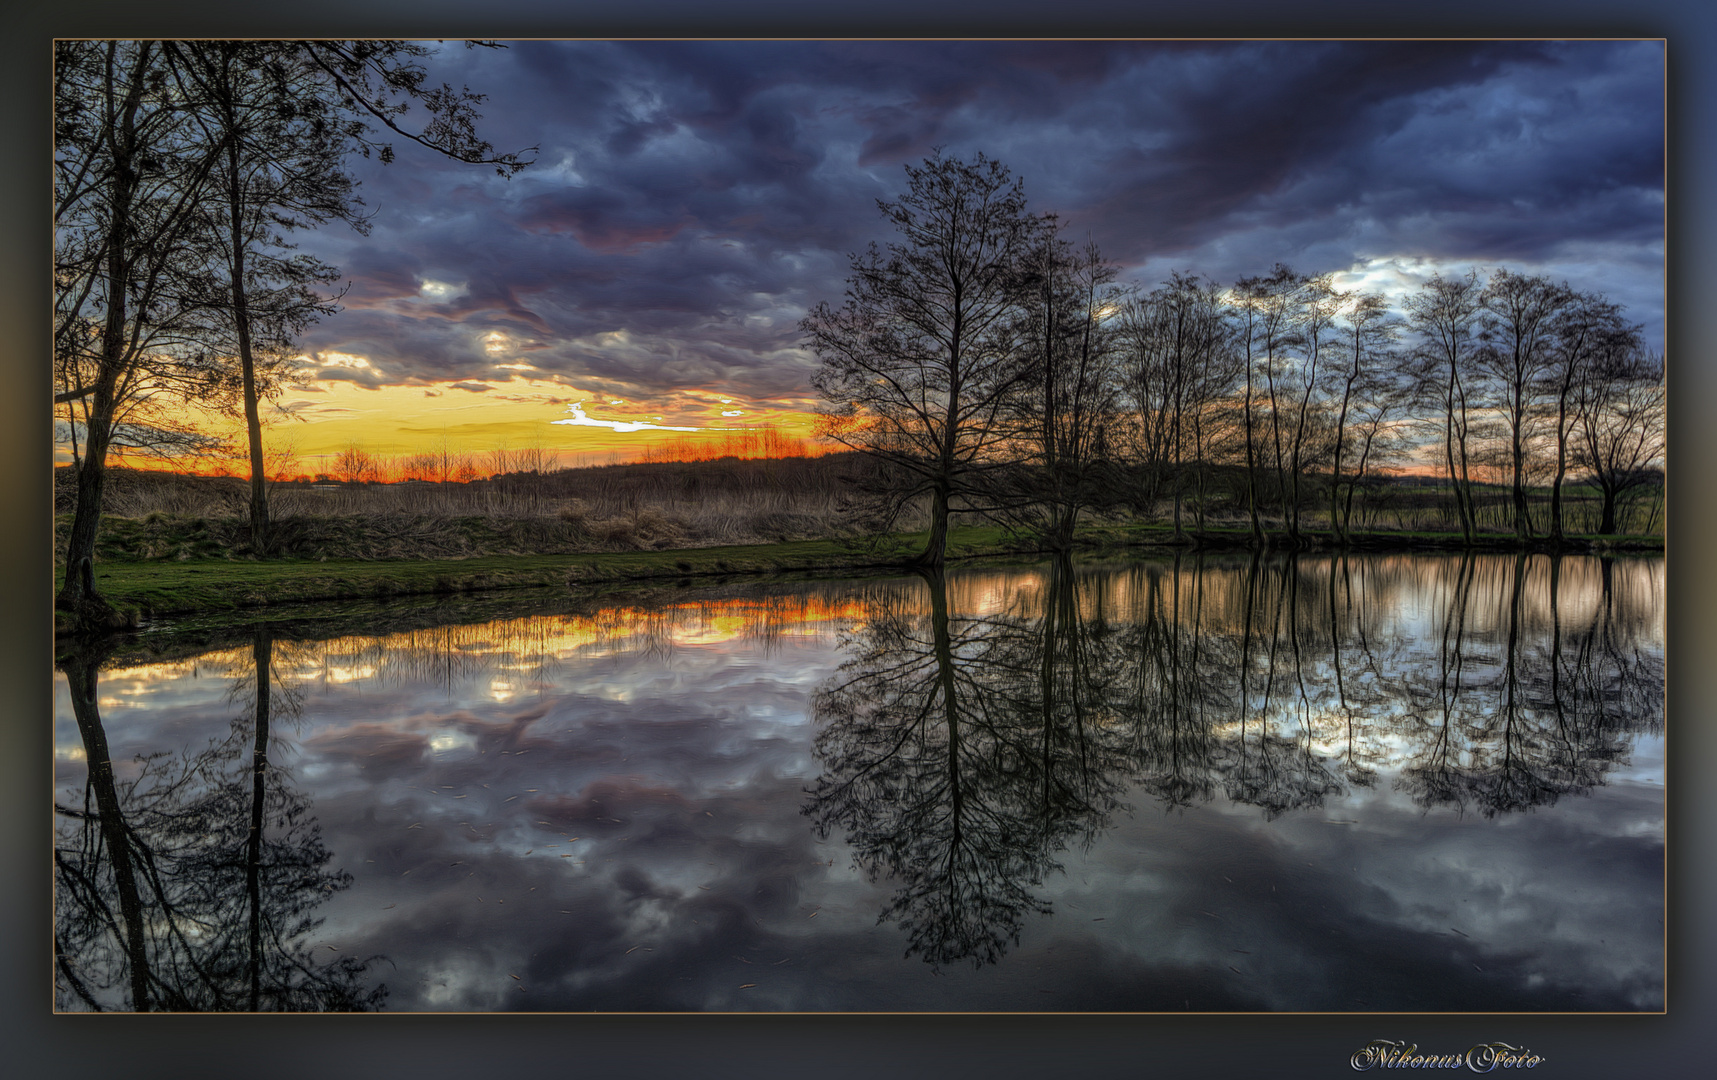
{"points": [[146, 590]]}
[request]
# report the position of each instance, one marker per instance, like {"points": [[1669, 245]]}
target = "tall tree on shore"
{"points": [[1277, 299], [172, 159], [289, 114], [281, 170], [1620, 436], [1068, 403], [919, 364], [1249, 301], [1315, 306], [1444, 314], [1367, 332], [1589, 329], [1178, 362], [1518, 320], [131, 170]]}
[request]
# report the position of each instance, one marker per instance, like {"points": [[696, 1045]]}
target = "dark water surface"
{"points": [[1373, 783]]}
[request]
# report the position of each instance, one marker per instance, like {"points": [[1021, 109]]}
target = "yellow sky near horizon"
{"points": [[313, 422]]}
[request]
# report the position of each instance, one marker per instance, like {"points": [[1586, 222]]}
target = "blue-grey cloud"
{"points": [[701, 196]]}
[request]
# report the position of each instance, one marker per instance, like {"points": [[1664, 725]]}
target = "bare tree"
{"points": [[1070, 400], [1444, 315], [281, 170], [130, 171], [1519, 318], [1620, 437], [1250, 300], [1275, 300], [1589, 331], [920, 362], [356, 466], [288, 114], [1378, 421], [1315, 306], [1178, 361], [1365, 322]]}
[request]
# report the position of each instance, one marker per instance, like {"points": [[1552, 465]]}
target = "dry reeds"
{"points": [[637, 507]]}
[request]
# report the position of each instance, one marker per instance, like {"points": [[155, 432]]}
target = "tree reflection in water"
{"points": [[189, 881], [963, 752], [934, 775]]}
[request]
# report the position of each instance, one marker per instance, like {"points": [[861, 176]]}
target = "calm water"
{"points": [[1379, 783]]}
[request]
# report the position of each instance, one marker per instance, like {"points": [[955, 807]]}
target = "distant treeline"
{"points": [[446, 464]]}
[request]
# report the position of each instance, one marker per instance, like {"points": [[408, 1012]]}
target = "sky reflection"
{"points": [[620, 810]]}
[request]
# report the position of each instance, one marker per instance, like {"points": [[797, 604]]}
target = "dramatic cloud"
{"points": [[691, 200]]}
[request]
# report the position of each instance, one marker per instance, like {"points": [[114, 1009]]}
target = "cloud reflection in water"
{"points": [[1416, 797]]}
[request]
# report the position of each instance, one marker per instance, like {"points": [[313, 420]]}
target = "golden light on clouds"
{"points": [[338, 360]]}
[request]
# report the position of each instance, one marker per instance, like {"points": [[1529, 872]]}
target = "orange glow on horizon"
{"points": [[314, 423]]}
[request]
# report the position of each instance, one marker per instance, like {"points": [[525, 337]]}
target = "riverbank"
{"points": [[144, 590], [148, 589]]}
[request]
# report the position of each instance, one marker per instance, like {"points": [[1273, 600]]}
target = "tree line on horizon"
{"points": [[992, 366], [445, 465]]}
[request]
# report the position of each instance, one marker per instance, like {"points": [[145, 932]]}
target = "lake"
{"points": [[1217, 783]]}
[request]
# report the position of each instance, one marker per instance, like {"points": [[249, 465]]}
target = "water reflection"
{"points": [[1213, 783], [958, 761], [189, 881], [961, 754]]}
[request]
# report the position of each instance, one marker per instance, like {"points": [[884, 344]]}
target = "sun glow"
{"points": [[517, 407]]}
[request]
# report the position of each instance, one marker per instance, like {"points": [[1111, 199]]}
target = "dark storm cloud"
{"points": [[700, 196]]}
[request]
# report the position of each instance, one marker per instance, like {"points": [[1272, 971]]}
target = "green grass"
{"points": [[1227, 536], [210, 583], [159, 588]]}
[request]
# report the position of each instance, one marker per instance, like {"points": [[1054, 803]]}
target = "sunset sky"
{"points": [[690, 201]]}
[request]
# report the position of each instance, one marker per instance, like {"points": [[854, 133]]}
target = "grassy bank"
{"points": [[1239, 537], [213, 583], [161, 588]]}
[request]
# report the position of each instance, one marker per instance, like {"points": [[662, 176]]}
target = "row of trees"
{"points": [[994, 366], [181, 171], [355, 465]]}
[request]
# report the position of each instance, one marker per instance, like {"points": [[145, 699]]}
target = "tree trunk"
{"points": [[1522, 523], [1335, 522], [81, 678], [78, 595], [1607, 527], [1251, 460], [247, 363], [262, 649], [944, 651], [1561, 463], [935, 552], [1061, 535]]}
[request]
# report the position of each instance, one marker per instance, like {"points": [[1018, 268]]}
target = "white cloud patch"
{"points": [[579, 419], [440, 292]]}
